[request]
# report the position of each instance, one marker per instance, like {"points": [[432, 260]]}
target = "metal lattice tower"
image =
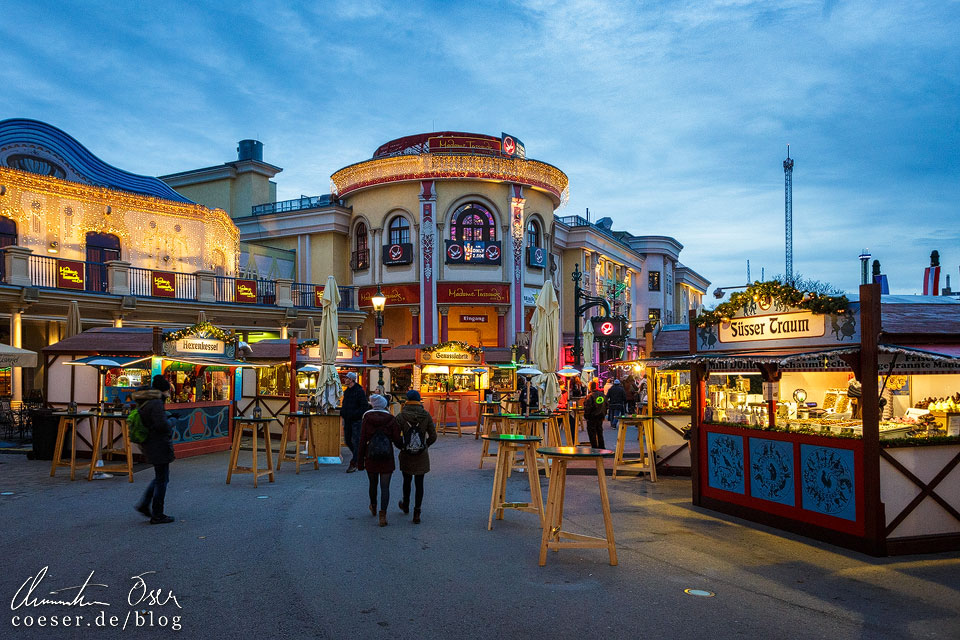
{"points": [[788, 212]]}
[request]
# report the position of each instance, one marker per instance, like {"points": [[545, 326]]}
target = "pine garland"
{"points": [[315, 342], [783, 296], [202, 330], [462, 346]]}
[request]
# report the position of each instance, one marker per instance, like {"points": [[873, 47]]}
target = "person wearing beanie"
{"points": [[353, 406], [594, 410], [379, 433], [157, 448], [419, 432], [616, 402]]}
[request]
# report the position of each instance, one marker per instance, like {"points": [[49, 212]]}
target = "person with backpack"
{"points": [[616, 402], [379, 433], [352, 408], [594, 410], [157, 447], [419, 432]]}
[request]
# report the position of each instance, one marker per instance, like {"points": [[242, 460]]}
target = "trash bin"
{"points": [[45, 425]]}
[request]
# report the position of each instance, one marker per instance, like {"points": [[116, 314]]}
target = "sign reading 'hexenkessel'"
{"points": [[783, 326]]}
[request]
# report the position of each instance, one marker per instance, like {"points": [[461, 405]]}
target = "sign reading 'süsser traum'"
{"points": [[783, 326]]}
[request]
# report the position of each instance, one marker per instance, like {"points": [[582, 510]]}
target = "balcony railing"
{"points": [[297, 204], [120, 279], [360, 260]]}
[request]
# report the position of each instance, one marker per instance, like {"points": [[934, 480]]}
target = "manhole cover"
{"points": [[701, 593]]}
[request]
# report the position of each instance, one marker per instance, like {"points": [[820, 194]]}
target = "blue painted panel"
{"points": [[725, 462], [200, 423], [828, 481], [771, 470]]}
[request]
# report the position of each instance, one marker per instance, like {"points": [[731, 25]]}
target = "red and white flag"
{"points": [[931, 281]]}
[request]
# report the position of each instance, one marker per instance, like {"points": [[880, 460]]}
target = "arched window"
{"points": [[473, 223], [399, 230], [533, 234], [361, 253], [101, 249]]}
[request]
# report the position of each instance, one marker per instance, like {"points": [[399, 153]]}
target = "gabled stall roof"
{"points": [[106, 341]]}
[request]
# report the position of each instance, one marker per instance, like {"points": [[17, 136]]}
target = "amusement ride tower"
{"points": [[788, 212]]}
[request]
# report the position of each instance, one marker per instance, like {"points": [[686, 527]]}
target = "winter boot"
{"points": [[383, 518], [416, 516], [404, 506], [373, 509]]}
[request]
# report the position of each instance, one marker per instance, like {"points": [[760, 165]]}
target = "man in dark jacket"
{"points": [[351, 410], [414, 464], [616, 402], [593, 411], [158, 447], [534, 399]]}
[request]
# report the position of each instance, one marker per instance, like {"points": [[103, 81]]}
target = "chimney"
{"points": [[250, 150]]}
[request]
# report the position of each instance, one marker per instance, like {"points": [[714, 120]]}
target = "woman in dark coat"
{"points": [[379, 470], [158, 447], [414, 465]]}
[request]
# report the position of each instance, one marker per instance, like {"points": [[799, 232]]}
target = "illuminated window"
{"points": [[533, 234], [361, 237], [399, 230], [473, 223], [654, 281], [653, 315]]}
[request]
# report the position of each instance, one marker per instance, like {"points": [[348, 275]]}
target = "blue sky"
{"points": [[670, 117]]}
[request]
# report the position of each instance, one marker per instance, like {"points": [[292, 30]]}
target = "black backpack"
{"points": [[379, 446], [414, 439]]}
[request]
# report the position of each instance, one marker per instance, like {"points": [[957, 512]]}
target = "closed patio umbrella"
{"points": [[587, 345], [15, 357], [545, 345], [329, 389], [74, 324], [311, 330]]}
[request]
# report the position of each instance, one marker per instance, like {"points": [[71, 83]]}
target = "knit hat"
{"points": [[414, 395], [616, 381], [377, 401], [352, 375], [160, 383]]}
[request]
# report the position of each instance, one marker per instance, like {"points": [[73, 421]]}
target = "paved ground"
{"points": [[303, 558]]}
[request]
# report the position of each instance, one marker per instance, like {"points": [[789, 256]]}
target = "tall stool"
{"points": [[491, 420], [647, 463], [300, 423], [68, 420], [447, 407], [507, 446], [254, 425], [111, 420], [553, 535]]}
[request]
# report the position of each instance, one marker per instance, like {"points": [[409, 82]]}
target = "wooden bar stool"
{"points": [[254, 425], [491, 420], [445, 414], [98, 452], [300, 423], [507, 446], [554, 537], [647, 463], [68, 420]]}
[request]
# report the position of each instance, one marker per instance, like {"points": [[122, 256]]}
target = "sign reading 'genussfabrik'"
{"points": [[784, 326], [200, 345]]}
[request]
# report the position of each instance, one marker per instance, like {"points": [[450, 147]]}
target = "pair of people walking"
{"points": [[412, 432]]}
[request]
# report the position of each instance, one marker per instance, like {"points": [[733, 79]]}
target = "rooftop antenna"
{"points": [[748, 272], [788, 213], [588, 214]]}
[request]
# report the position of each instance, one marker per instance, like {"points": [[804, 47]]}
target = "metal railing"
{"points": [[305, 296], [225, 290], [43, 273], [297, 204], [580, 221], [141, 284]]}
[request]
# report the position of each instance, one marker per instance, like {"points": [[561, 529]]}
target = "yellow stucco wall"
{"points": [[215, 195]]}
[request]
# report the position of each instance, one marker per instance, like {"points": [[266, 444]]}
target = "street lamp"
{"points": [[379, 301]]}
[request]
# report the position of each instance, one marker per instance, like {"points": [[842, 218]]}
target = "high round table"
{"points": [[507, 446]]}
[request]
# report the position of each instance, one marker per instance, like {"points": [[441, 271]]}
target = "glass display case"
{"points": [[274, 381], [198, 383], [120, 383], [459, 379], [672, 391]]}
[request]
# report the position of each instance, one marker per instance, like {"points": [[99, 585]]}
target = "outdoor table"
{"points": [[510, 406], [486, 408], [447, 407], [300, 422], [489, 421], [647, 462], [320, 431], [68, 419], [111, 420], [553, 535], [507, 446], [254, 425], [534, 424]]}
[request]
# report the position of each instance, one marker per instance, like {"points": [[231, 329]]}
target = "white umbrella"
{"points": [[329, 389], [15, 357], [545, 345], [311, 329], [587, 345], [74, 324]]}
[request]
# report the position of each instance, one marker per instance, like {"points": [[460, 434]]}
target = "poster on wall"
{"points": [[245, 291], [163, 284], [70, 275]]}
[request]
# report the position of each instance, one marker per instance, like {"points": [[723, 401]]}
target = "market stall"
{"points": [[832, 419]]}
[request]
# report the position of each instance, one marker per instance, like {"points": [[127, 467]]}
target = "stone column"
{"points": [[16, 340], [118, 277], [17, 266], [444, 326], [502, 326], [206, 286], [284, 292], [415, 326], [283, 331], [428, 261]]}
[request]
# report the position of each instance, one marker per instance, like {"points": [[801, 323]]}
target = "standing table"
{"points": [[255, 425], [111, 421], [507, 446], [68, 420], [553, 536], [485, 409], [447, 407], [647, 463], [300, 422]]}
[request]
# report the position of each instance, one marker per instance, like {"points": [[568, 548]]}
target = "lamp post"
{"points": [[579, 309], [379, 301]]}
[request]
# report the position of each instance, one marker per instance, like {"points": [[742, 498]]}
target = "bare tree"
{"points": [[808, 284]]}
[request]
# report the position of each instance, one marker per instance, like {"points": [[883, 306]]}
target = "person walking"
{"points": [[418, 432], [379, 433], [157, 448], [594, 412], [616, 402], [630, 389], [352, 408]]}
